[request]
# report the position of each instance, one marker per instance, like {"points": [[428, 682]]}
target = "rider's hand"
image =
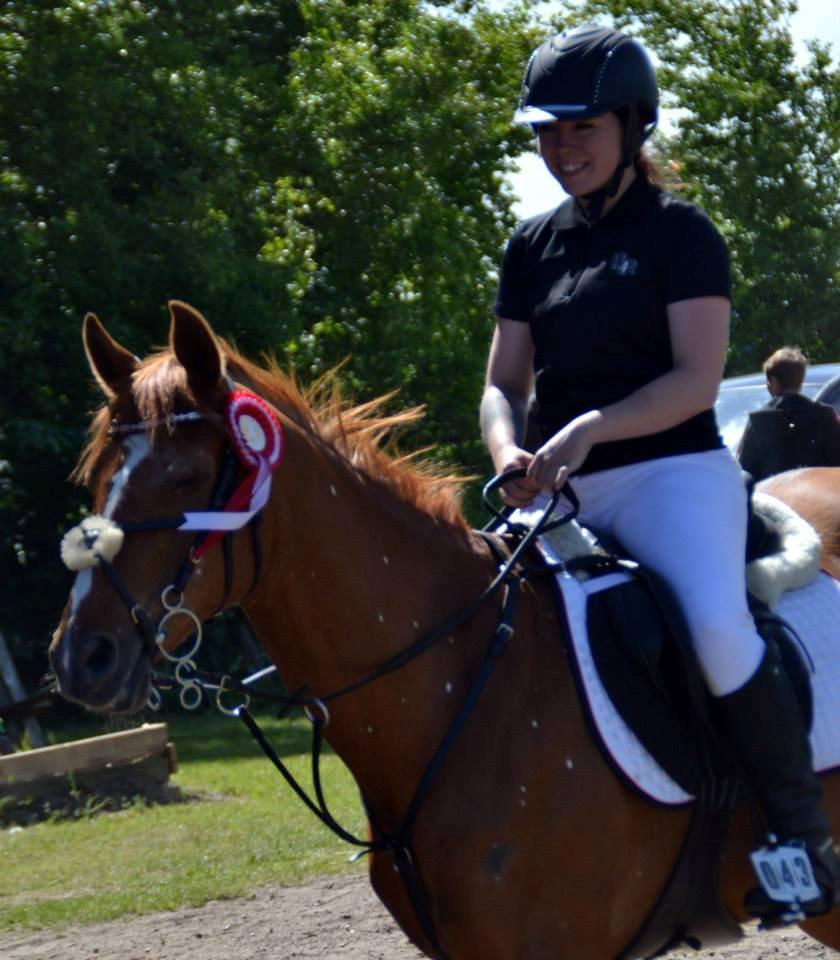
{"points": [[520, 492], [564, 453]]}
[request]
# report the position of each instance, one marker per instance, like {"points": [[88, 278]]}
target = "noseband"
{"points": [[255, 440]]}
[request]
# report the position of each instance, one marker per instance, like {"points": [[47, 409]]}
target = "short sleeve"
{"points": [[512, 295], [697, 261]]}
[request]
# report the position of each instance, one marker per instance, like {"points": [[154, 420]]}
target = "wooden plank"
{"points": [[146, 777], [93, 752]]}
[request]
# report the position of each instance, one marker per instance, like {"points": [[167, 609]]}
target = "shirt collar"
{"points": [[632, 203]]}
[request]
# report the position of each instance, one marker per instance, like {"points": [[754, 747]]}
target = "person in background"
{"points": [[791, 430], [616, 307]]}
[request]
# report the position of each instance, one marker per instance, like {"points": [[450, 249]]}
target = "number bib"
{"points": [[785, 873]]}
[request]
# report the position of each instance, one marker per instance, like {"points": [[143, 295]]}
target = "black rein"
{"points": [[400, 845]]}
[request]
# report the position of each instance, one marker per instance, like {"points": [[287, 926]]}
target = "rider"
{"points": [[616, 306]]}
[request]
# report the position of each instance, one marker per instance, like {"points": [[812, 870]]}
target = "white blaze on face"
{"points": [[81, 586], [136, 450]]}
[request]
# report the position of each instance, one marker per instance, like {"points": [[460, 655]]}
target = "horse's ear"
{"points": [[110, 362], [195, 346]]}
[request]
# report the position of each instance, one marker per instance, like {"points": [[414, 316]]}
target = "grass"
{"points": [[247, 829]]}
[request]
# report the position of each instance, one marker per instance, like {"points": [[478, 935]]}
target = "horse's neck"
{"points": [[351, 576], [356, 575]]}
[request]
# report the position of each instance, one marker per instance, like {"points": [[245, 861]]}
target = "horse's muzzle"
{"points": [[97, 671]]}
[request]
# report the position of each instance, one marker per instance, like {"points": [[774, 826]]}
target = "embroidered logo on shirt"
{"points": [[624, 265]]}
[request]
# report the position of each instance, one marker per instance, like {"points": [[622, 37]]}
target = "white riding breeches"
{"points": [[685, 517]]}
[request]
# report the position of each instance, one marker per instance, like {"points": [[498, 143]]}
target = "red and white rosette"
{"points": [[254, 429], [257, 437]]}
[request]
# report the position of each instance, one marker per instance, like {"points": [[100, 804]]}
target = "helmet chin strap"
{"points": [[594, 205], [631, 143]]}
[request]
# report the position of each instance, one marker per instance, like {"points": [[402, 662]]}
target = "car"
{"points": [[738, 396]]}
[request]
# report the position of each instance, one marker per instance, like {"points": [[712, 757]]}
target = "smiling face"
{"points": [[581, 154]]}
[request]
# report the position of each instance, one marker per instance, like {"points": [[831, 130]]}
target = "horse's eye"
{"points": [[187, 483], [183, 479]]}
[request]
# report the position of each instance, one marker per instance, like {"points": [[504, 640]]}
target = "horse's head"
{"points": [[162, 472]]}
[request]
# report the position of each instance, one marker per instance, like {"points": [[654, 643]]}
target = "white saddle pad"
{"points": [[813, 612]]}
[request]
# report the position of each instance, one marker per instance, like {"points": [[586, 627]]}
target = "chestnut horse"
{"points": [[527, 843], [814, 492]]}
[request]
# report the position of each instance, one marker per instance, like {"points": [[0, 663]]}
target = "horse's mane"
{"points": [[361, 433]]}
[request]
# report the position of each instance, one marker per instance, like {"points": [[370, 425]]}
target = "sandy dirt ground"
{"points": [[334, 918]]}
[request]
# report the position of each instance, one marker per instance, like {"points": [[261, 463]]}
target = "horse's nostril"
{"points": [[100, 656]]}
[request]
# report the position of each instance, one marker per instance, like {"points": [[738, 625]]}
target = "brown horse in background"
{"points": [[814, 492], [528, 845]]}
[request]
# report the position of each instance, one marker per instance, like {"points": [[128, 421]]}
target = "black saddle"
{"points": [[641, 649]]}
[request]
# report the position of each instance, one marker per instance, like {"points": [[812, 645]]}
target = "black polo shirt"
{"points": [[595, 297]]}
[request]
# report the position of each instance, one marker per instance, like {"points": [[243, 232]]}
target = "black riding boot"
{"points": [[770, 742]]}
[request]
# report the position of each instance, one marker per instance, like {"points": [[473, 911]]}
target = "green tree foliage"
{"points": [[324, 180], [406, 202], [757, 144]]}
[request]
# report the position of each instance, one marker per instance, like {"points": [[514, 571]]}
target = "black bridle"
{"points": [[152, 635]]}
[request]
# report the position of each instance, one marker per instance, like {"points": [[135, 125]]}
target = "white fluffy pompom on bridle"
{"points": [[94, 538]]}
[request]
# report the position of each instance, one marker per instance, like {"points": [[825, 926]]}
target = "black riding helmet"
{"points": [[586, 72]]}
